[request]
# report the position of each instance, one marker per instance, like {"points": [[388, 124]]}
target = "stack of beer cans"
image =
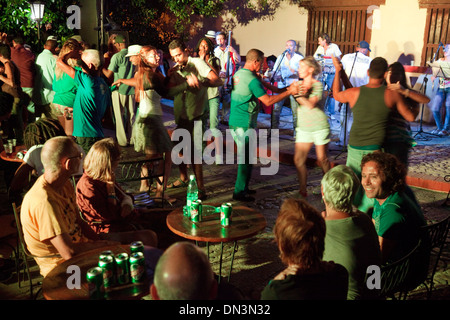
{"points": [[116, 270]]}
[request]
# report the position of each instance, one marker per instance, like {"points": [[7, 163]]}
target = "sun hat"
{"points": [[211, 34], [133, 50]]}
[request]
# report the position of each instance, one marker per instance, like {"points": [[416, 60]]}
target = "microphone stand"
{"points": [[424, 85], [278, 67], [272, 82], [344, 143]]}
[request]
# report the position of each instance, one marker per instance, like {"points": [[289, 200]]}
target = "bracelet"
{"points": [[112, 196]]}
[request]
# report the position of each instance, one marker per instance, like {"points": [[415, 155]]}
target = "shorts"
{"points": [[319, 137]]}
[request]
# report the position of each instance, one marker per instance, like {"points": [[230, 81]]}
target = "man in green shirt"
{"points": [[45, 67], [123, 99], [397, 217], [248, 90]]}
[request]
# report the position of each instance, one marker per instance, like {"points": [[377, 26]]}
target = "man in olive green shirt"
{"points": [[123, 99], [188, 84]]}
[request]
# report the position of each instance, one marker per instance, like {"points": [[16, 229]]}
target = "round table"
{"points": [[13, 156], [55, 285], [245, 223]]}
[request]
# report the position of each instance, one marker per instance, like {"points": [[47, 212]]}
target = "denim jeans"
{"points": [[329, 108], [442, 95], [275, 117]]}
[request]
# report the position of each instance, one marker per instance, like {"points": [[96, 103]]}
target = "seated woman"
{"points": [[101, 201], [350, 239], [300, 236]]}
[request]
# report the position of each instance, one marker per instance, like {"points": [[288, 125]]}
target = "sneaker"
{"points": [[435, 131]]}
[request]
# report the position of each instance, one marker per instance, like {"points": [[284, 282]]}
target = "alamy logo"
{"points": [[248, 143], [74, 21]]}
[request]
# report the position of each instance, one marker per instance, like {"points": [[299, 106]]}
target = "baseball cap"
{"points": [[52, 38], [133, 50], [119, 39], [211, 34], [363, 44]]}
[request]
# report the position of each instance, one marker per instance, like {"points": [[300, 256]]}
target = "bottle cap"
{"points": [[192, 176]]}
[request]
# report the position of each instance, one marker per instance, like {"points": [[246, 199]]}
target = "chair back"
{"points": [[16, 210], [132, 171], [22, 244], [437, 233], [396, 276]]}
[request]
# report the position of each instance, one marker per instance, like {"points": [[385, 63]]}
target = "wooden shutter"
{"points": [[346, 27], [436, 30]]}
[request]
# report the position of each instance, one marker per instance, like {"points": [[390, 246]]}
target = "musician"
{"points": [[286, 72], [355, 65], [324, 52], [442, 98], [224, 51]]}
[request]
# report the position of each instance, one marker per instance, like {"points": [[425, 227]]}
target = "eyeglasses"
{"points": [[80, 155]]}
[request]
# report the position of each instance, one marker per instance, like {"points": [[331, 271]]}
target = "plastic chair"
{"points": [[131, 171], [24, 254], [437, 236], [396, 277]]}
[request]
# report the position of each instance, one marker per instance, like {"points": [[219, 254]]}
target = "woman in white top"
{"points": [[149, 133]]}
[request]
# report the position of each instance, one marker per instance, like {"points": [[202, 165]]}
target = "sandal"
{"points": [[181, 184]]}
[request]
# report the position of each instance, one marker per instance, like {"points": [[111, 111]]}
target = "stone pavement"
{"points": [[257, 259]]}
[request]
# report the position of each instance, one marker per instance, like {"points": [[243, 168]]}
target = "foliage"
{"points": [[16, 20], [157, 22]]}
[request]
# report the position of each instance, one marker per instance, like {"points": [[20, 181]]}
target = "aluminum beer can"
{"points": [[137, 246], [225, 214], [196, 210], [106, 263], [122, 269], [94, 278], [137, 267]]}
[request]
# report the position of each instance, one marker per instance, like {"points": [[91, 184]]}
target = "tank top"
{"points": [[370, 116]]}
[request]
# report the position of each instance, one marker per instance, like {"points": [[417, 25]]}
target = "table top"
{"points": [[13, 156], [246, 222], [54, 285]]}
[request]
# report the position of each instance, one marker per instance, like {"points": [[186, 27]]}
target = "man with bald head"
{"points": [[49, 210], [183, 272]]}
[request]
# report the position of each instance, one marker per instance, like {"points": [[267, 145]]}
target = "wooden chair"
{"points": [[437, 236], [396, 277], [131, 171], [24, 254]]}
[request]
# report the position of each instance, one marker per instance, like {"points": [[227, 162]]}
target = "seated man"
{"points": [[183, 272], [397, 217], [49, 212]]}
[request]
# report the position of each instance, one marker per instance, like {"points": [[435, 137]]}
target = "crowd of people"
{"points": [[58, 102]]}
